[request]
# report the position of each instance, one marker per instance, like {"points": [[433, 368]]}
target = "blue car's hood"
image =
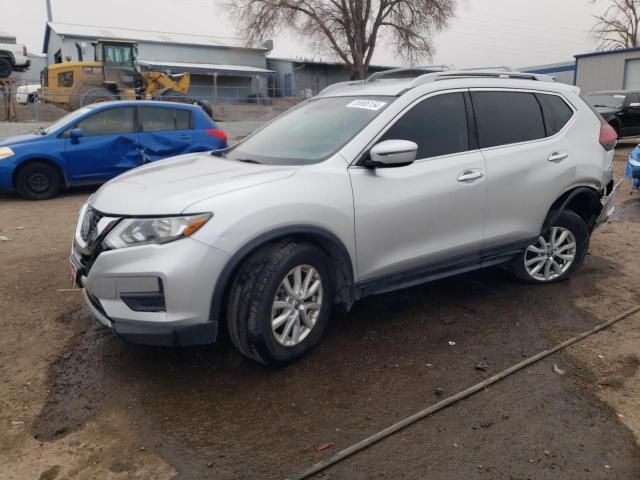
{"points": [[7, 142]]}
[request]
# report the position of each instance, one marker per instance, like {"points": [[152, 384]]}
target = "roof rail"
{"points": [[429, 68], [333, 86], [448, 75], [500, 67]]}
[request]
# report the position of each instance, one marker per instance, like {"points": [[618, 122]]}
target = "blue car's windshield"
{"points": [[311, 132], [66, 120]]}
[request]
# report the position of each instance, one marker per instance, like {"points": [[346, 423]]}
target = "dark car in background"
{"points": [[98, 142], [621, 109]]}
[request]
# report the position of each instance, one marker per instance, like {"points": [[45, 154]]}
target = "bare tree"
{"points": [[350, 28], [618, 26]]}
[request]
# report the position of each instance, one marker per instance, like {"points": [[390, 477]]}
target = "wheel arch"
{"points": [[342, 266], [585, 201], [28, 161]]}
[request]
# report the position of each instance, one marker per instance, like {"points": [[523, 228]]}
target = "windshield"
{"points": [[64, 121], [606, 100], [311, 132]]}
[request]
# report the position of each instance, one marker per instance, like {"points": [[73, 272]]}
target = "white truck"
{"points": [[13, 56]]}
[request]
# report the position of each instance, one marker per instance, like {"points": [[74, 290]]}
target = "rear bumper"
{"points": [[608, 205]]}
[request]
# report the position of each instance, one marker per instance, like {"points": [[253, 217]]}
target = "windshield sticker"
{"points": [[366, 104], [620, 96]]}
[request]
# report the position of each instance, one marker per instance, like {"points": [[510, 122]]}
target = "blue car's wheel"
{"points": [[38, 181]]}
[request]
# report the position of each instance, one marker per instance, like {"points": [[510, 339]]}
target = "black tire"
{"points": [[97, 95], [206, 107], [568, 220], [179, 97], [173, 96], [250, 300], [5, 68], [38, 181]]}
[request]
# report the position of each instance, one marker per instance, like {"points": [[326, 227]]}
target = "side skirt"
{"points": [[442, 269]]}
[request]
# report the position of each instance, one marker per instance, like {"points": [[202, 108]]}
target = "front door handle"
{"points": [[468, 175], [557, 156]]}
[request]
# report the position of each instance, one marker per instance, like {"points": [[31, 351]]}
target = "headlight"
{"points": [[5, 152], [130, 232]]}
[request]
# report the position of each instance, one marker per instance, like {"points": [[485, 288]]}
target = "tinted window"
{"points": [[556, 113], [438, 125], [507, 117], [164, 119], [108, 122]]}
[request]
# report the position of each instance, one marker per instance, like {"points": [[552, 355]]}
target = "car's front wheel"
{"points": [[280, 302], [556, 254], [38, 181]]}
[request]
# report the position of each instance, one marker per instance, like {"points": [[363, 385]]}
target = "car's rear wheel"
{"points": [[280, 302], [5, 68], [38, 181], [556, 254]]}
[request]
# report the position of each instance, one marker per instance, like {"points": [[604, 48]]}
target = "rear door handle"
{"points": [[557, 156], [468, 175]]}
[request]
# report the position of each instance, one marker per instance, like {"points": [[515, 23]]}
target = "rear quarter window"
{"points": [[556, 112], [505, 118], [160, 119]]}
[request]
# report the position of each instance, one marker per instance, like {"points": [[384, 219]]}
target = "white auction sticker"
{"points": [[367, 104]]}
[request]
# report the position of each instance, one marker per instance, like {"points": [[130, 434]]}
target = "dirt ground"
{"points": [[78, 402]]}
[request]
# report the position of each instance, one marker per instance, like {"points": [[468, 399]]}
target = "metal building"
{"points": [[611, 70], [561, 72], [304, 78], [220, 67]]}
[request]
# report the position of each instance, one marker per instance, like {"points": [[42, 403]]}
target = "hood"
{"points": [[170, 186], [18, 139], [607, 111]]}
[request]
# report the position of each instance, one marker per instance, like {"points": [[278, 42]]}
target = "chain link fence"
{"points": [[23, 101]]}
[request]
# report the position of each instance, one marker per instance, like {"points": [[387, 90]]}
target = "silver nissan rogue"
{"points": [[368, 187]]}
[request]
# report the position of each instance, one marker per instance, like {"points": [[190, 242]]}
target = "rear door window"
{"points": [[114, 121], [159, 119], [505, 118], [556, 112], [438, 125]]}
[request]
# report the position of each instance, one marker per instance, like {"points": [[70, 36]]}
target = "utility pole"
{"points": [[49, 15]]}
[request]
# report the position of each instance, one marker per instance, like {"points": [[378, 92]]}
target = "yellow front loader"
{"points": [[113, 75]]}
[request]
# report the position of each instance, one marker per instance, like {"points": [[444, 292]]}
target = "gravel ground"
{"points": [[77, 402], [235, 130]]}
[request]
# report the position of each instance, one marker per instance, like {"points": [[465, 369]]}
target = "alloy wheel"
{"points": [[297, 305], [552, 255]]}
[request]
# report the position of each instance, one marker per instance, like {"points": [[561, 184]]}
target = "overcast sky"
{"points": [[515, 33]]}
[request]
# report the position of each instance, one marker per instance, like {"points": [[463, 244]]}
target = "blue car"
{"points": [[98, 142]]}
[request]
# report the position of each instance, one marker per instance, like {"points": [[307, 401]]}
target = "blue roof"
{"points": [[607, 52], [142, 103]]}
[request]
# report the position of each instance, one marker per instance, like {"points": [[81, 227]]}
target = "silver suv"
{"points": [[368, 187]]}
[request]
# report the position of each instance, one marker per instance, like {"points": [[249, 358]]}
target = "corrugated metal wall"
{"points": [[603, 72]]}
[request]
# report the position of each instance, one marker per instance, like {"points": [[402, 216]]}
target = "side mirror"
{"points": [[634, 106], [76, 133], [392, 153]]}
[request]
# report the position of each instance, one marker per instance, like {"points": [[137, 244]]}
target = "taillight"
{"points": [[220, 134], [608, 137], [24, 51]]}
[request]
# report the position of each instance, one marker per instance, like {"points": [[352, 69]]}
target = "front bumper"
{"points": [[154, 294]]}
